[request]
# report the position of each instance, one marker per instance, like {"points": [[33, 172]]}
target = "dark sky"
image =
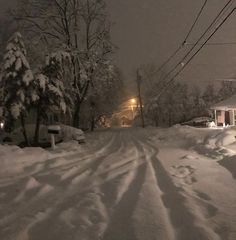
{"points": [[148, 31], [4, 4]]}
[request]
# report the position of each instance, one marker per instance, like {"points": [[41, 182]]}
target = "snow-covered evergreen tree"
{"points": [[50, 94], [17, 78]]}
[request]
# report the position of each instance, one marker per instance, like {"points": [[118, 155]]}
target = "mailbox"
{"points": [[54, 129]]}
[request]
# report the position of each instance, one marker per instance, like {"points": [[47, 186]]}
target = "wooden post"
{"points": [[52, 130], [140, 97], [216, 119], [233, 116], [53, 146]]}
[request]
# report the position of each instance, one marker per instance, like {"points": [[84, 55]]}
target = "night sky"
{"points": [[149, 31]]}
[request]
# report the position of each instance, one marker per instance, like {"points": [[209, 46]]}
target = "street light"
{"points": [[132, 103], [133, 100]]}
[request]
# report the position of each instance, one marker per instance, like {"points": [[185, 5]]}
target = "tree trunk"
{"points": [[22, 118], [76, 116], [170, 119], [37, 126], [92, 127], [92, 116], [140, 98], [156, 121]]}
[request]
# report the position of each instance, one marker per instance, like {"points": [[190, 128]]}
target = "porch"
{"points": [[225, 117], [225, 112]]}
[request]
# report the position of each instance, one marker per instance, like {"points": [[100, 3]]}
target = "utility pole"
{"points": [[139, 78]]}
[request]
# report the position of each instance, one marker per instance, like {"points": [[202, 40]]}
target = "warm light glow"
{"points": [[133, 100], [1, 125]]}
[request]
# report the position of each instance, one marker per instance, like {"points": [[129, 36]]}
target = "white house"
{"points": [[225, 112]]}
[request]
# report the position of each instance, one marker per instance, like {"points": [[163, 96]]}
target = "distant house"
{"points": [[125, 121], [225, 112], [125, 114]]}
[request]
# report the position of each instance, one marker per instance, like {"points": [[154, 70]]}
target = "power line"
{"points": [[226, 79], [201, 37], [194, 23], [173, 78], [185, 39], [216, 43], [169, 58]]}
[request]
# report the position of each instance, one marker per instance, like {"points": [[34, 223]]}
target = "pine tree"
{"points": [[50, 95], [17, 79]]}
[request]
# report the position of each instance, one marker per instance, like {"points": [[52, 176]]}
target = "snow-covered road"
{"points": [[122, 185]]}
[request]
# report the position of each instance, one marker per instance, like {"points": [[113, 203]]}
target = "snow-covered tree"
{"points": [[49, 90], [227, 89], [104, 96], [210, 97], [197, 102], [169, 108], [17, 78], [80, 25]]}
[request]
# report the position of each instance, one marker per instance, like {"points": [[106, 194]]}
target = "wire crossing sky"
{"points": [[150, 31], [208, 29], [184, 42]]}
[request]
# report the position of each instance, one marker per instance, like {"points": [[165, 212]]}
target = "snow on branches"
{"points": [[17, 77], [49, 83]]}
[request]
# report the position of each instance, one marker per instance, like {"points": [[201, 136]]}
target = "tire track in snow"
{"points": [[120, 225], [86, 157], [155, 222], [77, 197], [119, 178], [125, 218], [109, 197], [54, 198], [185, 224], [102, 143]]}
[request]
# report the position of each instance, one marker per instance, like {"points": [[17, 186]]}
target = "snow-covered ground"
{"points": [[123, 184]]}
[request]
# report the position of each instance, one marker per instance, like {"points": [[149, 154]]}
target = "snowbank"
{"points": [[214, 143], [71, 133], [185, 136], [190, 136], [13, 159], [222, 138], [67, 133]]}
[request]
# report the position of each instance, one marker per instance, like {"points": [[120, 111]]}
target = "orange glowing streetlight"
{"points": [[133, 102]]}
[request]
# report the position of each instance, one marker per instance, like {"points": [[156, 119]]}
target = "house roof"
{"points": [[227, 104]]}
